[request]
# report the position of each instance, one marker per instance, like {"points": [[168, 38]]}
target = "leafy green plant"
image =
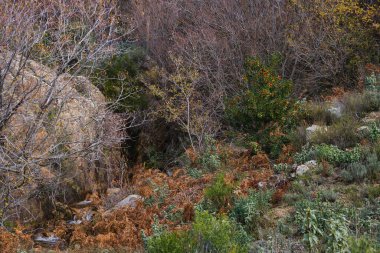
{"points": [[367, 168], [324, 226], [209, 159], [117, 78], [250, 210], [374, 132], [218, 234], [219, 193], [264, 105], [329, 153], [281, 167], [159, 196], [175, 242], [337, 234], [309, 228], [328, 195], [194, 173], [363, 245], [208, 234]]}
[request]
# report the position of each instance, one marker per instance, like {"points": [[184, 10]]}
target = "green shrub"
{"points": [[168, 242], [250, 210], [329, 153], [367, 168], [194, 173], [219, 193], [208, 234], [282, 168], [209, 159], [373, 192], [292, 198], [264, 104], [324, 226], [267, 99], [354, 172], [336, 156], [374, 132], [218, 234], [363, 245], [118, 79], [328, 195]]}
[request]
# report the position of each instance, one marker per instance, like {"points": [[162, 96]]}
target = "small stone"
{"points": [[302, 169], [74, 222], [336, 109], [169, 172], [311, 164], [262, 185], [88, 216], [131, 201], [47, 240]]}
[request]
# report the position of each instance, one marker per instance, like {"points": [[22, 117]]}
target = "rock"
{"points": [[311, 164], [72, 124], [47, 240], [74, 222], [262, 185], [88, 216], [130, 201], [169, 172], [313, 129], [336, 109], [363, 130], [302, 169]]}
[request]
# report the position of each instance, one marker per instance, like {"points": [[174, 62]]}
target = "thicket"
{"points": [[118, 77], [264, 107]]}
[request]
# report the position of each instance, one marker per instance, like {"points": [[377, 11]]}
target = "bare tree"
{"points": [[212, 37]]}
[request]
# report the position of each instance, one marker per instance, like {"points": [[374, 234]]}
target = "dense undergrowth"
{"points": [[236, 198], [260, 152]]}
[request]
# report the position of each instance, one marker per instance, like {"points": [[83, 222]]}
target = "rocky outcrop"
{"points": [[57, 129]]}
